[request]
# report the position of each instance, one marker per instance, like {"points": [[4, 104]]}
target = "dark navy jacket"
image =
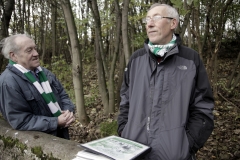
{"points": [[166, 105], [23, 106]]}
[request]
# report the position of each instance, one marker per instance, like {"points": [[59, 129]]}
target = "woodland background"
{"points": [[87, 44]]}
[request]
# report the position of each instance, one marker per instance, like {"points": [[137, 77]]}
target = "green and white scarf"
{"points": [[44, 88], [160, 50]]}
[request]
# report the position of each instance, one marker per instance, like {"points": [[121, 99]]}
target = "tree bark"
{"points": [[41, 27], [54, 18], [115, 55], [44, 40], [101, 78], [219, 32], [94, 7], [126, 45], [207, 26], [76, 61], [101, 65], [229, 83], [186, 19], [122, 65], [6, 17]]}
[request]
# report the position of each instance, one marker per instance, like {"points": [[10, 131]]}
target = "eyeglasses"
{"points": [[154, 18]]}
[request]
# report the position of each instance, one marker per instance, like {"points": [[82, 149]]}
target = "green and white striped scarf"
{"points": [[160, 50], [44, 88]]}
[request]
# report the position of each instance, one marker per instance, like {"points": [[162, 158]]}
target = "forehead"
{"points": [[156, 10], [24, 42]]}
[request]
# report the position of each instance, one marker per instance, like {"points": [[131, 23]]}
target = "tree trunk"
{"points": [[34, 28], [54, 17], [76, 62], [207, 26], [94, 7], [186, 19], [115, 55], [28, 27], [189, 40], [122, 65], [101, 65], [5, 18], [44, 40], [219, 32], [236, 81], [41, 27], [23, 15], [229, 83], [101, 77], [126, 45], [197, 33], [215, 63]]}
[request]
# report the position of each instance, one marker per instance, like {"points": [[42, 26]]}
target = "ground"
{"points": [[223, 144]]}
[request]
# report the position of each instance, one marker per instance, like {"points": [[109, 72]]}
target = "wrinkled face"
{"points": [[27, 56], [160, 31]]}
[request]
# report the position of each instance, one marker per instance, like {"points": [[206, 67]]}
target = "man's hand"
{"points": [[70, 119], [65, 119]]}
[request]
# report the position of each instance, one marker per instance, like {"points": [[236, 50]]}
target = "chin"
{"points": [[153, 40], [35, 66]]}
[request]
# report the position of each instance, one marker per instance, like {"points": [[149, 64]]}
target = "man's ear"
{"points": [[174, 23], [13, 56]]}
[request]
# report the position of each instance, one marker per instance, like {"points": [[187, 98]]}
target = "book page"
{"points": [[84, 155], [116, 147]]}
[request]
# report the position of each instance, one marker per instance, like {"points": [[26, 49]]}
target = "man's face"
{"points": [[27, 56], [160, 31]]}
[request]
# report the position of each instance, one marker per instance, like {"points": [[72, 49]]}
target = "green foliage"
{"points": [[139, 39], [227, 91], [91, 98], [9, 142], [88, 54], [39, 153], [108, 128], [63, 72], [21, 146], [179, 5]]}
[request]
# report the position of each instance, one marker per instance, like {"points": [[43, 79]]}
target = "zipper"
{"points": [[148, 124]]}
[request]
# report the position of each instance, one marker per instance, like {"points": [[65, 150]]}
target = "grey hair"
{"points": [[171, 11], [8, 44]]}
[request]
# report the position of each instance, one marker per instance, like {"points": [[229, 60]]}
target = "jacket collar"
{"points": [[16, 71]]}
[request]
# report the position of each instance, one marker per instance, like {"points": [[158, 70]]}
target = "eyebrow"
{"points": [[30, 48]]}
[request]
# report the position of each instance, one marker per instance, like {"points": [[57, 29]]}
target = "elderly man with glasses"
{"points": [[166, 99]]}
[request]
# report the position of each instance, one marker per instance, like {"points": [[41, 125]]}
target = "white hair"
{"points": [[9, 45], [171, 11]]}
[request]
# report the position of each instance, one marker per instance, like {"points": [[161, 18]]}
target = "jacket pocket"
{"points": [[171, 145], [33, 101], [28, 95], [136, 131]]}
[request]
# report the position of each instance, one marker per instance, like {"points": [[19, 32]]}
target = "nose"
{"points": [[35, 52], [150, 23]]}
